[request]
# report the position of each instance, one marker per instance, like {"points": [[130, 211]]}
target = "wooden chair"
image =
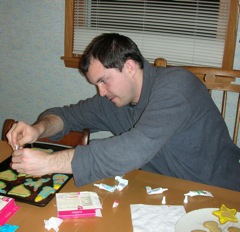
{"points": [[72, 139], [222, 80]]}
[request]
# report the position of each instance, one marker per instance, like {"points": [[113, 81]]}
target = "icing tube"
{"points": [[122, 183], [198, 193], [155, 191], [106, 187]]}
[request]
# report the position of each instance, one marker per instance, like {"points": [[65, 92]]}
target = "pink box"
{"points": [[78, 204], [77, 213], [7, 209]]}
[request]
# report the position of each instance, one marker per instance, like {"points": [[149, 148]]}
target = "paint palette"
{"points": [[38, 191]]}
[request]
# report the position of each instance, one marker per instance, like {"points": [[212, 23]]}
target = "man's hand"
{"points": [[39, 163], [22, 133]]}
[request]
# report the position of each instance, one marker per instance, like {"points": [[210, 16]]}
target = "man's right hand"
{"points": [[21, 134]]}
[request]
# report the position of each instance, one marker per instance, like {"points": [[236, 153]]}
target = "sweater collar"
{"points": [[145, 86]]}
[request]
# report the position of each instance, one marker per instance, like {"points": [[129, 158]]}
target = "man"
{"points": [[163, 119]]}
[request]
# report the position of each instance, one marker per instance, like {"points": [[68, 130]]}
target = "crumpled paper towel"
{"points": [[53, 223], [155, 218]]}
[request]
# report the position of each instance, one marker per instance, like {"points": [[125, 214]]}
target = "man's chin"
{"points": [[117, 103]]}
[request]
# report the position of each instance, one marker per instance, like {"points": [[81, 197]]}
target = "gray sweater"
{"points": [[175, 129]]}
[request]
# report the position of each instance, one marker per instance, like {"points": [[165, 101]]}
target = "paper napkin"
{"points": [[155, 218]]}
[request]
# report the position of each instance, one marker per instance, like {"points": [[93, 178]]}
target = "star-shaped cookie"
{"points": [[225, 214]]}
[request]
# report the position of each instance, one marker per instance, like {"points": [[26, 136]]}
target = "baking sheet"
{"points": [[5, 165]]}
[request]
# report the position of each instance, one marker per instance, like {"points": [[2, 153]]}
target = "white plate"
{"points": [[194, 220]]}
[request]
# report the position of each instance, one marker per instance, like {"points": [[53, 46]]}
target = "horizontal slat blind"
{"points": [[183, 32]]}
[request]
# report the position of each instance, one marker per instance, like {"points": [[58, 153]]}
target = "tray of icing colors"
{"points": [[38, 191]]}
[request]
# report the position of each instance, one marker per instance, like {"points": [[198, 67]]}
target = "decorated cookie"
{"points": [[42, 149], [36, 184], [225, 214], [58, 180], [8, 175], [20, 190], [23, 175], [2, 186], [46, 191]]}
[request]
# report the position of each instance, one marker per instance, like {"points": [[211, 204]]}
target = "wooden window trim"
{"points": [[72, 61], [69, 60], [230, 43]]}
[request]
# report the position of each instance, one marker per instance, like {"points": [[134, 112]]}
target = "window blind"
{"points": [[183, 32]]}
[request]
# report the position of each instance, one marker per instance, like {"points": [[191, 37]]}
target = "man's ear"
{"points": [[131, 67]]}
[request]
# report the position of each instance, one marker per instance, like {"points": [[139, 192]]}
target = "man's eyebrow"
{"points": [[99, 79]]}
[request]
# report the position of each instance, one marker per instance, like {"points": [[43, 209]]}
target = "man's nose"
{"points": [[102, 91]]}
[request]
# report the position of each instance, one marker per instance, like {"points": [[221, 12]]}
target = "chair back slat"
{"points": [[236, 126], [224, 104]]}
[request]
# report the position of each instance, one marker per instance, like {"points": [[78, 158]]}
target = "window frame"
{"points": [[73, 61]]}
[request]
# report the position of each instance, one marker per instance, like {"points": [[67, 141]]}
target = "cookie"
{"points": [[42, 149], [36, 184], [20, 191], [2, 186], [46, 191], [225, 214], [23, 175], [233, 229], [58, 180], [212, 226], [8, 175]]}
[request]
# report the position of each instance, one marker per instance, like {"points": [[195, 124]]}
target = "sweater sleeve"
{"points": [[89, 113]]}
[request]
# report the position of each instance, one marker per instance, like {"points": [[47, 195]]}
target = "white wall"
{"points": [[32, 76]]}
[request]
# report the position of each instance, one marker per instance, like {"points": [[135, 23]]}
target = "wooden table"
{"points": [[31, 218]]}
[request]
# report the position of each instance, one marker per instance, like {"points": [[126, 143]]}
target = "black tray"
{"points": [[5, 165]]}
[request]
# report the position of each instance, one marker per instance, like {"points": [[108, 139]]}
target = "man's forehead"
{"points": [[95, 63], [95, 71]]}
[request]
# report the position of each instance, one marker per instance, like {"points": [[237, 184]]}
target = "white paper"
{"points": [[155, 218]]}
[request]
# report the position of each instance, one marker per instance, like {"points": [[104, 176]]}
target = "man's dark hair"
{"points": [[112, 50]]}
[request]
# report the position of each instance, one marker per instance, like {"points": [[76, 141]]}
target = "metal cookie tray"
{"points": [[31, 183]]}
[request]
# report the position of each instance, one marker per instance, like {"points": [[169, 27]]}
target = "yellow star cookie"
{"points": [[225, 214]]}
